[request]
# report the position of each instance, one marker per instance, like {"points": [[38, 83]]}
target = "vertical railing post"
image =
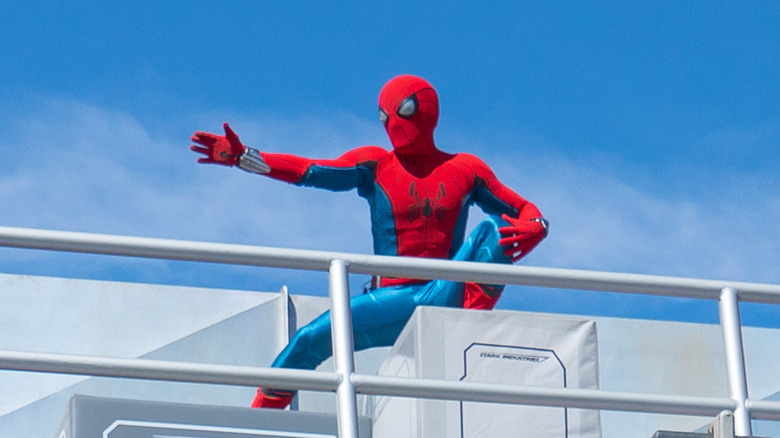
{"points": [[728, 307], [722, 426], [343, 349]]}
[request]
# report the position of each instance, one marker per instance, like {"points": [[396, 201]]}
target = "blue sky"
{"points": [[647, 132]]}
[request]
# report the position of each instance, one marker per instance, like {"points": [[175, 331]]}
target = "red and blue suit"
{"points": [[419, 198]]}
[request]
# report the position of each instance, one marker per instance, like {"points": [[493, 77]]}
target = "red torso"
{"points": [[426, 206], [418, 205]]}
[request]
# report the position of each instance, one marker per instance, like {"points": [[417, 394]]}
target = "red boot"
{"points": [[275, 400]]}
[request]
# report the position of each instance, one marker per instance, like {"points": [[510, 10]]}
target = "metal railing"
{"points": [[346, 383]]}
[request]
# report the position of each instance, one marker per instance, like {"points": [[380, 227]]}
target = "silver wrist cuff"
{"points": [[251, 161], [545, 224]]}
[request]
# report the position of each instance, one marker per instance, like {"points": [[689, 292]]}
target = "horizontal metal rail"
{"points": [[382, 265], [146, 369], [541, 396], [166, 370], [764, 410]]}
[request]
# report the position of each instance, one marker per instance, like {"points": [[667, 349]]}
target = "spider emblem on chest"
{"points": [[426, 206]]}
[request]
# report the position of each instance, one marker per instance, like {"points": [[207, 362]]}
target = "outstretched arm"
{"points": [[343, 173]]}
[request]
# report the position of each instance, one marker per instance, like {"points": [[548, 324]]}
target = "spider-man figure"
{"points": [[419, 198]]}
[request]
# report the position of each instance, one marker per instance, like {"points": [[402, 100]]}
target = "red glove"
{"points": [[218, 149], [521, 236]]}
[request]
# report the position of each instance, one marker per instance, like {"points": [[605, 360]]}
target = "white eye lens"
{"points": [[383, 116], [408, 107]]}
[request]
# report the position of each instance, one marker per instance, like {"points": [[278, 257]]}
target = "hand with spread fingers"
{"points": [[218, 149]]}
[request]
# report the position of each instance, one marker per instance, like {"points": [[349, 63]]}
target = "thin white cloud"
{"points": [[609, 215], [99, 170]]}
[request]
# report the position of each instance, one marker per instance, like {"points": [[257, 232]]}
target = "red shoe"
{"points": [[481, 296], [275, 401]]}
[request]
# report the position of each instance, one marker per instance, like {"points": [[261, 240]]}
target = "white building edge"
{"points": [[59, 334]]}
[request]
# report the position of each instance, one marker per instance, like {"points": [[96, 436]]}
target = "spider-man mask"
{"points": [[409, 109]]}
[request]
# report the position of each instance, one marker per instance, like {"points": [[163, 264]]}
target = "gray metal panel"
{"points": [[91, 417], [672, 434]]}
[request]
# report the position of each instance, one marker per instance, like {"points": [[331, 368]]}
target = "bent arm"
{"points": [[519, 207], [526, 227], [495, 198]]}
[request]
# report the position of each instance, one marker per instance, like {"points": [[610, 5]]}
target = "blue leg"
{"points": [[377, 320], [480, 246], [378, 317]]}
